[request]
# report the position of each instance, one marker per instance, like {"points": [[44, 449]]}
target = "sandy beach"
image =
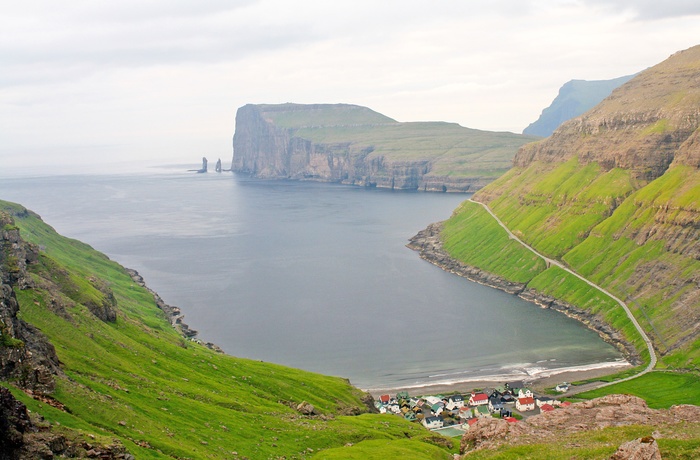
{"points": [[535, 383]]}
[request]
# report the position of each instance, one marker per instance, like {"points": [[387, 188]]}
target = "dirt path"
{"points": [[650, 346]]}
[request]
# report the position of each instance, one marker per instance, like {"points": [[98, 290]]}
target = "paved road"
{"points": [[550, 262]]}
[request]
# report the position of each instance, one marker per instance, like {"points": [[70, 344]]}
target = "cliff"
{"points": [[575, 98], [615, 194], [350, 144]]}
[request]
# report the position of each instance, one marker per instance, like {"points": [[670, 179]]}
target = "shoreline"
{"points": [[548, 379], [428, 244]]}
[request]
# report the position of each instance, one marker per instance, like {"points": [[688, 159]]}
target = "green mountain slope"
{"points": [[615, 194], [355, 145], [127, 376]]}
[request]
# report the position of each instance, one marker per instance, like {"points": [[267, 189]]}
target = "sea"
{"points": [[311, 275]]}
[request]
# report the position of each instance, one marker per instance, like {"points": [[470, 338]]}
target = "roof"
{"points": [[479, 397], [455, 398], [527, 400], [472, 421], [511, 419], [546, 408], [384, 398]]}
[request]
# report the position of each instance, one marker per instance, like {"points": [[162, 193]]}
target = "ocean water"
{"points": [[310, 275]]}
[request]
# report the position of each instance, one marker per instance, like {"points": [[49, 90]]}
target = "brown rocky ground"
{"points": [[608, 411]]}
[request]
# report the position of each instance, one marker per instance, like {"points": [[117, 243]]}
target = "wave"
{"points": [[527, 372]]}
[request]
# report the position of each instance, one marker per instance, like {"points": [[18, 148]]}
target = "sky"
{"points": [[99, 85]]}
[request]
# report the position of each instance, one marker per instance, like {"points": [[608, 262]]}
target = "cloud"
{"points": [[650, 10]]}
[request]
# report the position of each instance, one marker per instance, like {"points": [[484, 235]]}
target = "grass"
{"points": [[449, 150], [659, 389], [472, 236], [137, 380]]}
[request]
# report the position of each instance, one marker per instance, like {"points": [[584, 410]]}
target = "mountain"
{"points": [[575, 98], [90, 366], [615, 195], [350, 144]]}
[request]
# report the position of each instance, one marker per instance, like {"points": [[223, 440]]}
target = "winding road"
{"points": [[549, 261]]}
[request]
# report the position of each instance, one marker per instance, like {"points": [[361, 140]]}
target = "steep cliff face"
{"points": [[26, 356], [615, 194], [354, 145]]}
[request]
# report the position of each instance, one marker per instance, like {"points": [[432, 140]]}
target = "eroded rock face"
{"points": [[26, 356], [639, 449], [608, 411], [644, 126], [267, 150]]}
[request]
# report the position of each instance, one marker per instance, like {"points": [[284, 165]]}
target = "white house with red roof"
{"points": [[525, 404], [478, 399]]}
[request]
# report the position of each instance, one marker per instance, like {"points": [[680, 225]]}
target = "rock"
{"points": [[639, 449], [306, 408], [607, 411], [26, 356]]}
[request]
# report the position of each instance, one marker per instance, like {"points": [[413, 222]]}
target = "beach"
{"points": [[537, 383]]}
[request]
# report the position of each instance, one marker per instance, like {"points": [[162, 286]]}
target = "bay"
{"points": [[310, 275]]}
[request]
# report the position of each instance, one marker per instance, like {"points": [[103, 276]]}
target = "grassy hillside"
{"points": [[137, 380], [451, 149], [615, 195]]}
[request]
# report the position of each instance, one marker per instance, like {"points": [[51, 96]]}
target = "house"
{"points": [[393, 408], [514, 386], [471, 422], [562, 387], [507, 398], [437, 408], [495, 405], [524, 393], [511, 419], [402, 395], [410, 416], [546, 408], [565, 404], [478, 399], [433, 423], [384, 399], [540, 400], [432, 400], [525, 404], [465, 413], [454, 402]]}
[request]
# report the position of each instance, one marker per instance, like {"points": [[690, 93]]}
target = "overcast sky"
{"points": [[97, 82]]}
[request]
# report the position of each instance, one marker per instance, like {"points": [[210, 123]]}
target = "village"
{"points": [[453, 414]]}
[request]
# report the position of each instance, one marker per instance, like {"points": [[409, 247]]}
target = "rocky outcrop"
{"points": [[353, 145], [608, 411], [174, 314], [645, 448], [429, 246], [27, 437], [26, 356]]}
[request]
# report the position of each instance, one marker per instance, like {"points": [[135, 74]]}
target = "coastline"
{"points": [[547, 379], [429, 247]]}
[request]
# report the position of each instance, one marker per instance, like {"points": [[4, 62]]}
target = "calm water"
{"points": [[314, 276]]}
